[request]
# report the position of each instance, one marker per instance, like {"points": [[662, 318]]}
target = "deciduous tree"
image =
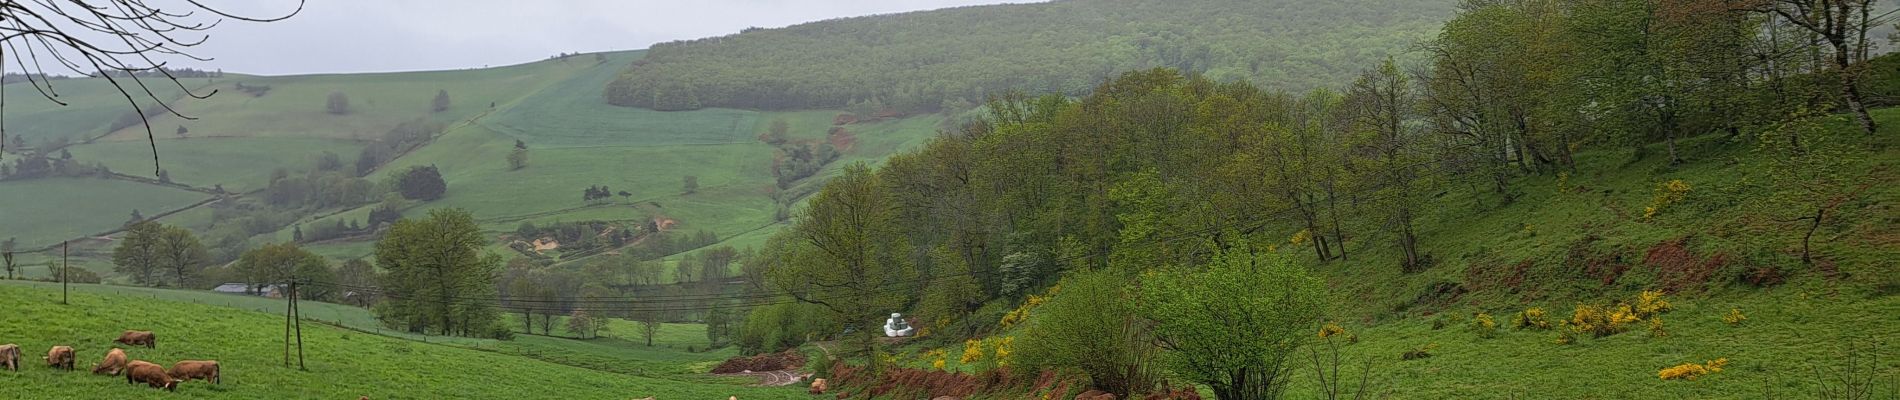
{"points": [[433, 266]]}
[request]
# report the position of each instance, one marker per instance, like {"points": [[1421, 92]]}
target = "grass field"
{"points": [[241, 164], [342, 363], [554, 106], [1548, 233], [92, 107], [295, 105], [44, 211]]}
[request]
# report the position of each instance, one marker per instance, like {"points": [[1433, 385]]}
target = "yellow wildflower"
{"points": [[972, 351], [1692, 371], [1651, 302], [1734, 317], [1531, 318], [1003, 350], [1330, 329]]}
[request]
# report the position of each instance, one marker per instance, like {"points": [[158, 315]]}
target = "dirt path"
{"points": [[774, 378]]}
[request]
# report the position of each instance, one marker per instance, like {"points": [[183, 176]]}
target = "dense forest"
{"points": [[955, 58], [1182, 178]]}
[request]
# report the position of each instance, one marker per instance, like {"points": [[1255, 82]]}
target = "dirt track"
{"points": [[774, 378]]}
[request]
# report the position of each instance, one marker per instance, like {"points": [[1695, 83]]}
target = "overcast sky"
{"points": [[407, 35]]}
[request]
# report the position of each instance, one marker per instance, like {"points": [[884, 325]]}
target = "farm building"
{"points": [[271, 291]]}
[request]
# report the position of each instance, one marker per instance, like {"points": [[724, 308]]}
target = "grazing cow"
{"points": [[10, 356], [819, 386], [189, 369], [150, 374], [60, 357], [112, 365], [138, 338]]}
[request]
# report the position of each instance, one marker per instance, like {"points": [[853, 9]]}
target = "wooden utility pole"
{"points": [[64, 264], [298, 318], [293, 325], [287, 308]]}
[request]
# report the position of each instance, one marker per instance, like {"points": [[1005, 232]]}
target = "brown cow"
{"points": [[112, 365], [150, 374], [10, 356], [138, 338], [60, 357], [190, 369], [819, 386]]}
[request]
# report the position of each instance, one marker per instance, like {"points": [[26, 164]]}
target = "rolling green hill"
{"points": [[932, 60], [257, 126]]}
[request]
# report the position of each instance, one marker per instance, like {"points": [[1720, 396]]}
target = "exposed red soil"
{"points": [[841, 139], [1677, 269], [761, 363]]}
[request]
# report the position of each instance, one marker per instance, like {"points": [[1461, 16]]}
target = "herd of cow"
{"points": [[116, 363]]}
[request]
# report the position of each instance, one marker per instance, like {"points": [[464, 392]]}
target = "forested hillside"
{"points": [[1555, 175], [954, 58]]}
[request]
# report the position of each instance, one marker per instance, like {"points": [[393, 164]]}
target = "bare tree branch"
{"points": [[119, 40]]}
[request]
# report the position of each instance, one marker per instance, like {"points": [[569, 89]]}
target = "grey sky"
{"points": [[406, 35]]}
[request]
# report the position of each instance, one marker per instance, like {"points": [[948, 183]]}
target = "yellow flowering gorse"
{"points": [[972, 351], [1692, 371], [1531, 318], [1330, 329], [1667, 193], [1021, 313], [1003, 348], [1734, 317]]}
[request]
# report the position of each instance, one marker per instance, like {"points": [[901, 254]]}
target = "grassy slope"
{"points": [[552, 105], [241, 164], [342, 363], [92, 107], [42, 212], [1791, 330]]}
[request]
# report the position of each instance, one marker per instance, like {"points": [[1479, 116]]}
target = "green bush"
{"points": [[1090, 325], [778, 327], [1233, 324]]}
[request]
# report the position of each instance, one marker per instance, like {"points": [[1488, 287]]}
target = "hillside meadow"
{"points": [[249, 345]]}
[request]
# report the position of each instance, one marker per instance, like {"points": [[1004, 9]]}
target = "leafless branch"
{"points": [[122, 41]]}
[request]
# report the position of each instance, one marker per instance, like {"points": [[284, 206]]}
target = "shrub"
{"points": [[1021, 312], [1090, 326], [972, 351], [1650, 303], [1656, 327], [1600, 321], [1667, 193], [1531, 318], [1734, 317], [1485, 326], [939, 359], [1691, 371], [1330, 330], [1003, 347], [1418, 353], [1232, 323], [1565, 336], [821, 366]]}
